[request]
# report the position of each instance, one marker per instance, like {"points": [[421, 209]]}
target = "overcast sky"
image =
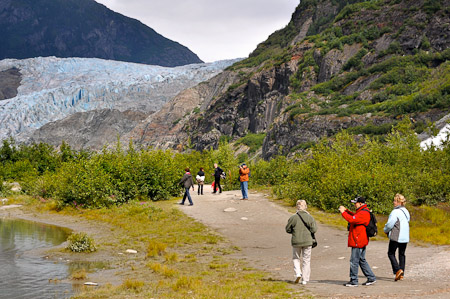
{"points": [[212, 29]]}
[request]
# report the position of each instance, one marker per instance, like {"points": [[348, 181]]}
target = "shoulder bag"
{"points": [[314, 244]]}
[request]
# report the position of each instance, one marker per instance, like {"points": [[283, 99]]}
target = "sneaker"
{"points": [[398, 274], [350, 284], [191, 204], [180, 203], [303, 282], [297, 279], [369, 282]]}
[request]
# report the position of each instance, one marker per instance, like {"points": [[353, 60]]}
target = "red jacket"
{"points": [[357, 236]]}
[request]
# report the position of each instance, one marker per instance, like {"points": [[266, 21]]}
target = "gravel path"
{"points": [[257, 225]]}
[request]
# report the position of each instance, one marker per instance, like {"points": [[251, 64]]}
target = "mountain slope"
{"points": [[82, 28], [356, 65]]}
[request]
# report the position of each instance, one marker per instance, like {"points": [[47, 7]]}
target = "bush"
{"points": [[253, 141], [339, 170], [80, 242]]}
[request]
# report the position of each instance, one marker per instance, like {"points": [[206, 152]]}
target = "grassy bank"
{"points": [[177, 256]]}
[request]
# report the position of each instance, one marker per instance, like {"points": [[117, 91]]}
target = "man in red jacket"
{"points": [[358, 240]]}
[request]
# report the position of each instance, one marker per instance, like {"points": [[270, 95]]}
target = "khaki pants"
{"points": [[301, 256]]}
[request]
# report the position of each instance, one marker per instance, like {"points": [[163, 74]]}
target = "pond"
{"points": [[24, 274]]}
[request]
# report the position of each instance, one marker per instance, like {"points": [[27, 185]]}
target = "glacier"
{"points": [[438, 140], [54, 88]]}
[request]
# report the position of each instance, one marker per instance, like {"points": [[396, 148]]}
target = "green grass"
{"points": [[178, 257]]}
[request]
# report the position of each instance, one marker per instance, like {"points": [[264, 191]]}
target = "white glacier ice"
{"points": [[437, 140], [54, 88]]}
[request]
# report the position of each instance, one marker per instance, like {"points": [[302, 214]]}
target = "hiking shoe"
{"points": [[398, 274], [369, 282], [350, 284], [297, 279]]}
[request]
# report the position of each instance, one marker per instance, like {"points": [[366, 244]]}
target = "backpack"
{"points": [[371, 228]]}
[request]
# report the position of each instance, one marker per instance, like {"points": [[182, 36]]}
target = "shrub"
{"points": [[155, 248], [131, 284], [339, 170], [80, 242], [253, 141]]}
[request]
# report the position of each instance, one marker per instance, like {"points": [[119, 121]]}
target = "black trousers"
{"points": [[393, 246], [217, 185], [200, 189]]}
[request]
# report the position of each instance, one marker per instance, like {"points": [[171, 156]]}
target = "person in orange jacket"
{"points": [[243, 178], [358, 240]]}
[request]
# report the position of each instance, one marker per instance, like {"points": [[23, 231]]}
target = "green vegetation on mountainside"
{"points": [[387, 76]]}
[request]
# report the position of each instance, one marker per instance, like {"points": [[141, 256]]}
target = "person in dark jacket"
{"points": [[187, 182], [397, 228], [358, 240], [200, 180], [301, 241], [217, 172]]}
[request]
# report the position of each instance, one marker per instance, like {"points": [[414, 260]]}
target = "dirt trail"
{"points": [[257, 227]]}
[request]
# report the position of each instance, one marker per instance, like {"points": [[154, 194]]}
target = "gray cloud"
{"points": [[213, 29]]}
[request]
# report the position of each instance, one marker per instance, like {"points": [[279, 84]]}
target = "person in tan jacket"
{"points": [[243, 178]]}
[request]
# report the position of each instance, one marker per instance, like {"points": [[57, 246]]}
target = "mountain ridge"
{"points": [[360, 67], [83, 28]]}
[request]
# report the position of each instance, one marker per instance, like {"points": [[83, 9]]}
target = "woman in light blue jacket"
{"points": [[397, 229]]}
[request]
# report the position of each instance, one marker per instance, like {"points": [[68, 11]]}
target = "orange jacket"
{"points": [[357, 236], [243, 173]]}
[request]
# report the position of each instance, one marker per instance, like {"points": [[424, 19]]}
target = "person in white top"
{"points": [[200, 180], [397, 228]]}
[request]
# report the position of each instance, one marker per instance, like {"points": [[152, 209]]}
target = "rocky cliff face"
{"points": [[9, 83], [165, 128], [89, 130], [330, 69], [82, 28]]}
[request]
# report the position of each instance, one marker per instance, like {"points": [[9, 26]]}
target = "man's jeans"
{"points": [[358, 258], [244, 189], [188, 195]]}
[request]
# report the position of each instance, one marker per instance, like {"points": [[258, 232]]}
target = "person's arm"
{"points": [[182, 180], [356, 218], [313, 225], [289, 226], [192, 182], [391, 222]]}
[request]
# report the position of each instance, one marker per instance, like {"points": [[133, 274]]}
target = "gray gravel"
{"points": [[256, 226]]}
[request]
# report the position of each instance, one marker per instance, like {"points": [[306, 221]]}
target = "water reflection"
{"points": [[24, 275]]}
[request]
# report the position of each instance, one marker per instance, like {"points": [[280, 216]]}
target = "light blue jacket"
{"points": [[398, 225]]}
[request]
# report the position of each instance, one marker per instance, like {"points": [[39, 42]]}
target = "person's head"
{"points": [[359, 201], [187, 169], [399, 200], [201, 168], [215, 165], [244, 165], [301, 205]]}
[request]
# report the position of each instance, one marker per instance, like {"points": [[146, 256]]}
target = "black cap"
{"points": [[359, 199]]}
